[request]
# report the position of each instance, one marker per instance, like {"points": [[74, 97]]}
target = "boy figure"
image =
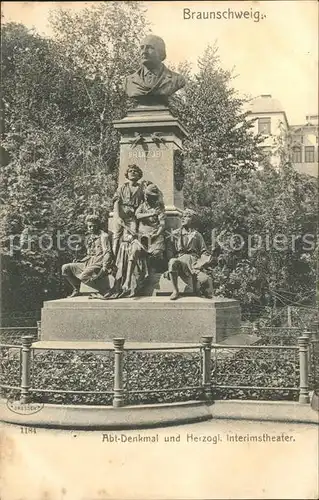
{"points": [[99, 258], [190, 257]]}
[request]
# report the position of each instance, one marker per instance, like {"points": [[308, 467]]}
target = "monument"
{"points": [[160, 291]]}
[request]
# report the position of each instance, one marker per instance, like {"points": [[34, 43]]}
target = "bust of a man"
{"points": [[153, 78]]}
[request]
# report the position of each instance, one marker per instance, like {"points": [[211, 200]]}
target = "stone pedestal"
{"points": [[151, 137], [142, 319]]}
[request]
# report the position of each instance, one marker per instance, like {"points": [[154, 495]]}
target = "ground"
{"points": [[81, 465]]}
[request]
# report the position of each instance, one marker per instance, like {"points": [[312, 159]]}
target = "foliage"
{"points": [[98, 47], [59, 147], [243, 209], [221, 142], [274, 215]]}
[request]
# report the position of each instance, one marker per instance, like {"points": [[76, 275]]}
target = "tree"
{"points": [[220, 136], [264, 230], [30, 81], [59, 99], [98, 47], [246, 213]]}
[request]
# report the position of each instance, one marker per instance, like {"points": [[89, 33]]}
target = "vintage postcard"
{"points": [[159, 334]]}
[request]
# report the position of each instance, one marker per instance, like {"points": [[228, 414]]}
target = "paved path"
{"points": [[215, 459]]}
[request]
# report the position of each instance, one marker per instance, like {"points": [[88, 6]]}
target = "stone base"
{"points": [[142, 319], [106, 417], [142, 416]]}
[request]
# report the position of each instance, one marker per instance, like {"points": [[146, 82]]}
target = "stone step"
{"points": [[240, 339], [187, 301], [96, 346]]}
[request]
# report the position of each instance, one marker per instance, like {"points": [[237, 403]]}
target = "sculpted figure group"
{"points": [[139, 247]]}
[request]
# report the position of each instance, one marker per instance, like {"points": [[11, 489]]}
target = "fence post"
{"points": [[25, 368], [206, 366], [303, 342], [39, 329], [118, 399], [289, 321]]}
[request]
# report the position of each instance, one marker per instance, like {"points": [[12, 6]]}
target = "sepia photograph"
{"points": [[159, 331]]}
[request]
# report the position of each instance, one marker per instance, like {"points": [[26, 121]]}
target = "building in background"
{"points": [[304, 145], [271, 121]]}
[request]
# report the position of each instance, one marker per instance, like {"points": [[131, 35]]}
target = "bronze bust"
{"points": [[153, 78]]}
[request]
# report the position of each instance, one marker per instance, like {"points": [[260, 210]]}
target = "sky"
{"points": [[276, 55]]}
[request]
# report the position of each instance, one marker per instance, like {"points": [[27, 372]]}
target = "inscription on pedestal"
{"points": [[134, 155]]}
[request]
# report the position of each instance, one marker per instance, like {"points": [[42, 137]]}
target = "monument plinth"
{"points": [[142, 319], [151, 137]]}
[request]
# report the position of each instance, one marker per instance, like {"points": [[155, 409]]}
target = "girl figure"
{"points": [[149, 243], [127, 199]]}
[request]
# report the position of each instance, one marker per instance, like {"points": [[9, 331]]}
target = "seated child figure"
{"points": [[99, 258], [190, 256]]}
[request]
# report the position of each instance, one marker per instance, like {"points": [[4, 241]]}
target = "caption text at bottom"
{"points": [[190, 437]]}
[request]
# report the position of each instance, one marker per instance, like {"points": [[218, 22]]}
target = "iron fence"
{"points": [[256, 371], [143, 367], [32, 372], [81, 373]]}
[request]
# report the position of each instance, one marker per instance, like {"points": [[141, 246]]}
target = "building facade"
{"points": [[304, 145], [301, 141]]}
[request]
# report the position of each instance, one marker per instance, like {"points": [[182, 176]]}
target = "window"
{"points": [[296, 155], [309, 154], [264, 126]]}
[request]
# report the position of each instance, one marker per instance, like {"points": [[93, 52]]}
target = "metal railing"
{"points": [[119, 391], [301, 351]]}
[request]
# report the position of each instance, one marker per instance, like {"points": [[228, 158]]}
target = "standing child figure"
{"points": [[127, 199]]}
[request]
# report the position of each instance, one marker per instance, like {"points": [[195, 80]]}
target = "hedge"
{"points": [[92, 371]]}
